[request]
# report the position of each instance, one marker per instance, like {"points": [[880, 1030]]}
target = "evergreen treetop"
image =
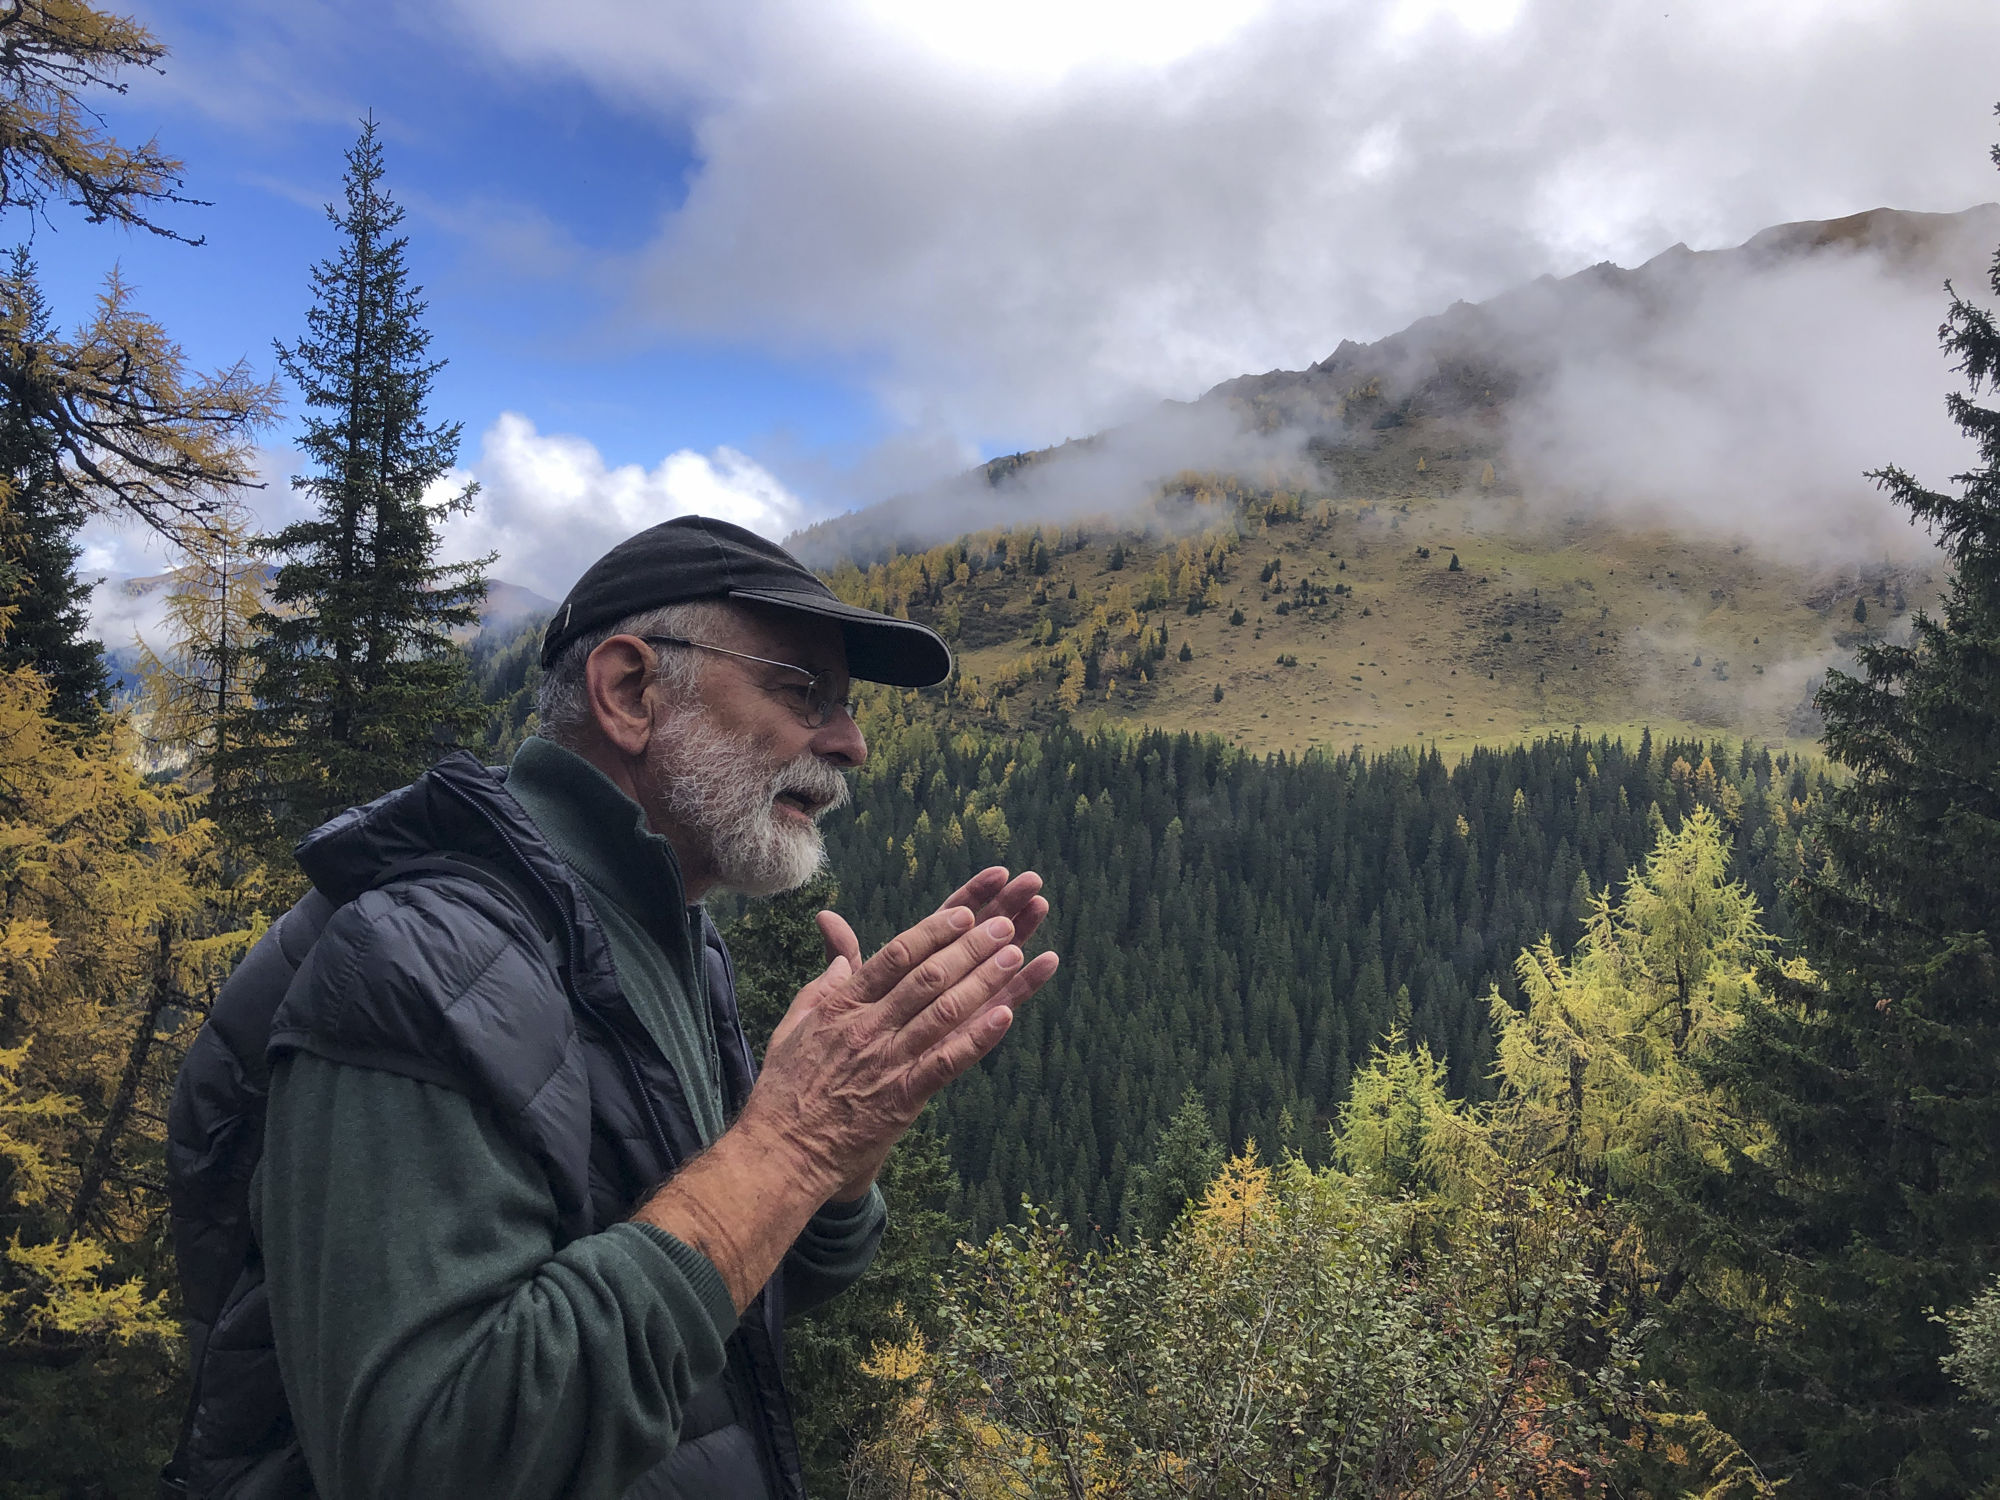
{"points": [[38, 524], [359, 682]]}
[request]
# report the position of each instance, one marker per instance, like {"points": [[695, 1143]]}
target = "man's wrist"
{"points": [[740, 1203], [776, 1153]]}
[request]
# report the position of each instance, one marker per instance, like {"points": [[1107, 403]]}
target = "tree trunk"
{"points": [[158, 997]]}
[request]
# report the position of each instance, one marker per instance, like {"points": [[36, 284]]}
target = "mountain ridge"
{"points": [[1471, 362]]}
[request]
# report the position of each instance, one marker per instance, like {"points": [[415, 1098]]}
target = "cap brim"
{"points": [[880, 648]]}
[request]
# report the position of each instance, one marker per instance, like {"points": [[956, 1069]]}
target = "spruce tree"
{"points": [[1186, 1157], [39, 517], [359, 683], [1880, 1074]]}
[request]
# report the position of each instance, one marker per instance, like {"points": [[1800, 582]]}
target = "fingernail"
{"points": [[838, 968], [958, 918], [1008, 957], [1000, 929]]}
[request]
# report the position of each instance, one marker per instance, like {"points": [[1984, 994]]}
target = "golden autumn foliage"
{"points": [[1598, 1069], [56, 148], [1112, 636], [1402, 1132], [135, 429], [115, 929], [113, 932], [1281, 1341], [204, 676]]}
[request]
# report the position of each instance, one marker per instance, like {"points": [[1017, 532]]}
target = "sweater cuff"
{"points": [[700, 1274], [837, 1216]]}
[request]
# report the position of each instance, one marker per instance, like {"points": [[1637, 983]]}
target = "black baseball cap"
{"points": [[699, 557]]}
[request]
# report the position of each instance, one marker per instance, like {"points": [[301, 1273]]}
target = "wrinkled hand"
{"points": [[865, 1045]]}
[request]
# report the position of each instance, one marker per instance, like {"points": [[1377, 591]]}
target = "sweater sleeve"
{"points": [[837, 1245], [432, 1338]]}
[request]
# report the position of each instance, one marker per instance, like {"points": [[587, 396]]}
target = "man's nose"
{"points": [[840, 740]]}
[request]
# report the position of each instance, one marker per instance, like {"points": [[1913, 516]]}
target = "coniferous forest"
{"points": [[1585, 1116], [1251, 928]]}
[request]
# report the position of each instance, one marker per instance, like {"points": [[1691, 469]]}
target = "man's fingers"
{"points": [[1012, 896], [993, 893], [1028, 918], [903, 954], [993, 986], [1039, 971], [968, 995], [958, 1052], [979, 890], [942, 970], [839, 938]]}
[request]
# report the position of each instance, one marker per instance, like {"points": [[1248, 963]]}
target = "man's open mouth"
{"points": [[801, 802]]}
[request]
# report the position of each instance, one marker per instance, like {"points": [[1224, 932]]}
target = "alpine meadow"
{"points": [[1527, 879]]}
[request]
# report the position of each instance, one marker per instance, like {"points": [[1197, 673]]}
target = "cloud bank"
{"points": [[548, 504], [1027, 221], [1757, 404]]}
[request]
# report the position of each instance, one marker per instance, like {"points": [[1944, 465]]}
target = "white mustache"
{"points": [[823, 787]]}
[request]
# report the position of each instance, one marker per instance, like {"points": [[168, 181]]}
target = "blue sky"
{"points": [[779, 258], [518, 188]]}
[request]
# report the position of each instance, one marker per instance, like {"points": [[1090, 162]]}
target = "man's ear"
{"points": [[616, 678]]}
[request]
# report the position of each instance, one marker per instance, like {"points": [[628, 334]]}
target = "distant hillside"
{"points": [[1456, 384], [1325, 506], [1478, 358], [1452, 619]]}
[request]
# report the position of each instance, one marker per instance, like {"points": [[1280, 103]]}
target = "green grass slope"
{"points": [[1356, 629]]}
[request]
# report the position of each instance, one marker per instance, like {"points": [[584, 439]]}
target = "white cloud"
{"points": [[550, 505], [1028, 221], [1758, 403]]}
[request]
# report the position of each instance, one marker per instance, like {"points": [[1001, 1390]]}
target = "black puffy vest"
{"points": [[542, 1038]]}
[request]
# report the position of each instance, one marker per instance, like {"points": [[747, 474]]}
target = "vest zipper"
{"points": [[567, 979]]}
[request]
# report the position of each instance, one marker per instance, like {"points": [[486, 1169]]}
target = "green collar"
{"points": [[601, 834]]}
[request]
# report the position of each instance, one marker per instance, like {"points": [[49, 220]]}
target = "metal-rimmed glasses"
{"points": [[817, 697]]}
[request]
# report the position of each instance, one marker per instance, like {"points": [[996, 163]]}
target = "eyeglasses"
{"points": [[817, 697]]}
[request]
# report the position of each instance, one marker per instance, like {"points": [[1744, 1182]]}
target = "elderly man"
{"points": [[525, 1219]]}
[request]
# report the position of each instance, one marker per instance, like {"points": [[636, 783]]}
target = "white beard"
{"points": [[720, 791]]}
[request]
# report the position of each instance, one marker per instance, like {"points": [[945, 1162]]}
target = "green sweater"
{"points": [[433, 1338]]}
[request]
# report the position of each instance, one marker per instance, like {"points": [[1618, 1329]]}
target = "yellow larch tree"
{"points": [[201, 674], [115, 929], [1597, 1069]]}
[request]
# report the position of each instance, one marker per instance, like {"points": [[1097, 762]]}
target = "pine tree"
{"points": [[1186, 1158], [38, 530], [359, 683], [200, 687], [1881, 1076]]}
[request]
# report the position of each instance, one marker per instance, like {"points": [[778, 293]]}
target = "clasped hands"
{"points": [[867, 1043], [862, 1049]]}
